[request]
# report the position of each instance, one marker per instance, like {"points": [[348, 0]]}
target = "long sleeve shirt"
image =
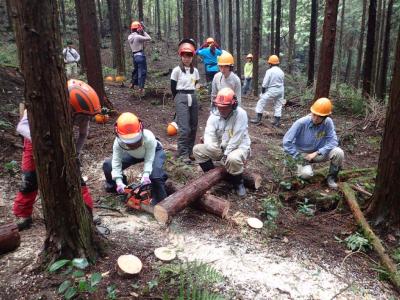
{"points": [[306, 137], [232, 81], [248, 70], [71, 55], [274, 81], [209, 59], [81, 121], [229, 134], [146, 152], [136, 41]]}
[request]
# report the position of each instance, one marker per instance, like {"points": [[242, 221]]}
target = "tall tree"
{"points": [[217, 26], [69, 231], [348, 65], [292, 31], [101, 22], [128, 13], [312, 43], [369, 49], [230, 27], [116, 39], [91, 47], [201, 23], [82, 61], [327, 51], [178, 14], [140, 10], [277, 49], [158, 18], [208, 18], [339, 63], [360, 45], [385, 204], [272, 46], [238, 42], [190, 19], [377, 45], [381, 88], [255, 43], [64, 23]]}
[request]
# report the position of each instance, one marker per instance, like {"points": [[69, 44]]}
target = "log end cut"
{"points": [[161, 214], [128, 266]]}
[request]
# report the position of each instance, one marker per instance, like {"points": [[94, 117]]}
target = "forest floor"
{"points": [[302, 257]]}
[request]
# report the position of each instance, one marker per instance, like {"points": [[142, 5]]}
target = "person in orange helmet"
{"points": [[85, 104], [312, 139], [209, 53], [134, 144]]}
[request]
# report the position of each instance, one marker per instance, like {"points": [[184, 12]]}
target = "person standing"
{"points": [[136, 40], [248, 73], [209, 53], [71, 59], [183, 85], [226, 77], [272, 90]]}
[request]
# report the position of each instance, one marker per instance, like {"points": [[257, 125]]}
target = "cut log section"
{"points": [[9, 237], [213, 205], [252, 180], [165, 254], [255, 223], [128, 266], [176, 202]]}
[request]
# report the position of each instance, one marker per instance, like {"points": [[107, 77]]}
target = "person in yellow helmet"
{"points": [[312, 139], [272, 90], [248, 73]]}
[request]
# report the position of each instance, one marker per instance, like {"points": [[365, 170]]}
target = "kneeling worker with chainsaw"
{"points": [[312, 139], [226, 138], [133, 145]]}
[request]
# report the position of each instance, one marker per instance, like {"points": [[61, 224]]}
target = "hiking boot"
{"points": [[207, 166], [333, 176], [276, 122], [237, 181], [257, 119], [24, 223]]}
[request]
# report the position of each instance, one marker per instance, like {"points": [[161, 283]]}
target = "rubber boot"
{"points": [[277, 122], [158, 191], [24, 223], [257, 119], [333, 176], [207, 166], [237, 181]]}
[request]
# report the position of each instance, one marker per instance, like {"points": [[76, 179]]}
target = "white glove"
{"points": [[120, 188], [305, 172], [145, 180]]}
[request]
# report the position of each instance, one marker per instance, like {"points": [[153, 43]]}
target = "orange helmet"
{"points": [[136, 25], [210, 40], [322, 107], [172, 129], [225, 97], [225, 59], [83, 98], [187, 46], [129, 128], [273, 60]]}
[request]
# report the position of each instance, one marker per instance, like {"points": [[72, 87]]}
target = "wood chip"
{"points": [[255, 223], [165, 254]]}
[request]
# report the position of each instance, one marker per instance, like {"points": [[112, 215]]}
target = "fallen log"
{"points": [[176, 202], [386, 261], [208, 203], [252, 180], [9, 237]]}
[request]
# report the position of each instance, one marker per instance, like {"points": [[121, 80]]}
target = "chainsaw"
{"points": [[138, 197]]}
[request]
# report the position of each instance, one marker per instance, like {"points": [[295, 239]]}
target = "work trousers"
{"points": [[335, 156], [246, 86], [139, 72], [71, 70], [276, 97]]}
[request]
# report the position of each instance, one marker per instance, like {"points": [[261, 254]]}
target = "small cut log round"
{"points": [[128, 266]]}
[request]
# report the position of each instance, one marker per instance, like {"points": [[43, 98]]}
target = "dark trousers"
{"points": [[139, 71], [187, 119], [157, 176]]}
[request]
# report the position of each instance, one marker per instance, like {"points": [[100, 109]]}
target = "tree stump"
{"points": [[9, 237], [128, 266]]}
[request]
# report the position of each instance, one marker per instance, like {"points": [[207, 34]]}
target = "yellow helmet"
{"points": [[225, 59], [322, 107]]}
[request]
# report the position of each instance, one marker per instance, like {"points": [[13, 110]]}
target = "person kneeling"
{"points": [[226, 138], [133, 145], [312, 139]]}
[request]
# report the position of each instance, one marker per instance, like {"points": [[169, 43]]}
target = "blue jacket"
{"points": [[305, 137], [209, 59]]}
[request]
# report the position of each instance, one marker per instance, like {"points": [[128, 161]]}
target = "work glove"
{"points": [[145, 180], [305, 172], [120, 188]]}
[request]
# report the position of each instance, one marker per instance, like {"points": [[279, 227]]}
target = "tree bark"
{"points": [[101, 21], [91, 48], [360, 45], [62, 4], [230, 28], [272, 46], [312, 42], [201, 22], [12, 9], [9, 238], [292, 31], [381, 89], [377, 46], [238, 43], [339, 64], [128, 14], [140, 9], [255, 43], [82, 53], [176, 202], [369, 49], [217, 26], [277, 49], [208, 23], [116, 38], [178, 14], [158, 17], [385, 206], [348, 65], [327, 51], [69, 230]]}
